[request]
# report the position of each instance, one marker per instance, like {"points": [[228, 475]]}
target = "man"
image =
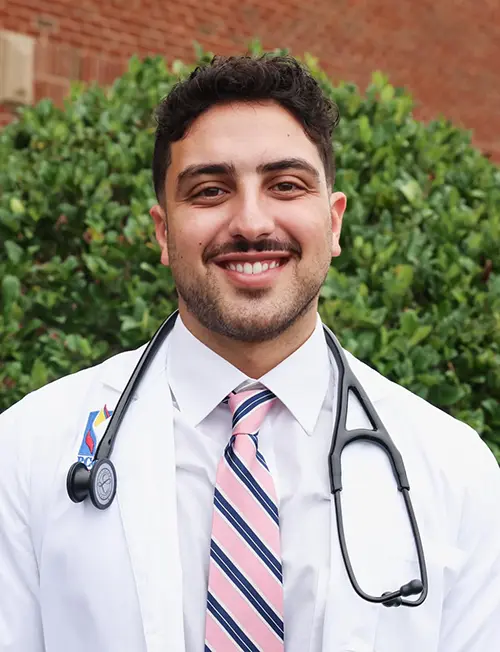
{"points": [[223, 534]]}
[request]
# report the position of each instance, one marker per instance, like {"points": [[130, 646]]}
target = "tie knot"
{"points": [[249, 409]]}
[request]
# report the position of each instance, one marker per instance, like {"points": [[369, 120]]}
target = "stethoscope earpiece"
{"points": [[99, 483], [412, 588]]}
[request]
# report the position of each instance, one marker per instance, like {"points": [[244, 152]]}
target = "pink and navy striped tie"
{"points": [[245, 584]]}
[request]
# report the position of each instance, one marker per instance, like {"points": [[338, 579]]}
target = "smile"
{"points": [[250, 272], [254, 268]]}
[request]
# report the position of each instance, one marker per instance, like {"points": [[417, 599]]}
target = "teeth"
{"points": [[256, 268]]}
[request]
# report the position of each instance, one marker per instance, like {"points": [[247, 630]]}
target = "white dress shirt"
{"points": [[294, 439]]}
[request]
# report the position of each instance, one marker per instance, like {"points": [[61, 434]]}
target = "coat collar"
{"points": [[116, 371]]}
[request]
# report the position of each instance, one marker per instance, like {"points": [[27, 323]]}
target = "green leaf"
{"points": [[16, 206], [11, 289], [14, 251], [411, 190], [39, 374], [365, 131], [448, 394], [420, 334], [387, 93], [379, 80]]}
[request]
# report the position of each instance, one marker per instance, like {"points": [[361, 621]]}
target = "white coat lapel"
{"points": [[144, 458]]}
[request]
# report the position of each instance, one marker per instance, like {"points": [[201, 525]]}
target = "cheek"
{"points": [[312, 233], [188, 237], [190, 248]]}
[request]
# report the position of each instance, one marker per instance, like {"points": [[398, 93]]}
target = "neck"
{"points": [[254, 359]]}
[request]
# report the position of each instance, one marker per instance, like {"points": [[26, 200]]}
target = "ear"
{"points": [[160, 220], [338, 203]]}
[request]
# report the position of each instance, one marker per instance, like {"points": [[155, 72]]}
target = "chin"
{"points": [[252, 323], [247, 316]]}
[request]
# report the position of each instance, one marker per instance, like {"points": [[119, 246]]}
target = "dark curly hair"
{"points": [[246, 79]]}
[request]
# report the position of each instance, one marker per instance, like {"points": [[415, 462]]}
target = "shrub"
{"points": [[415, 293]]}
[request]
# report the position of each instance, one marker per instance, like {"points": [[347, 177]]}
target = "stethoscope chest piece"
{"points": [[102, 483], [99, 483]]}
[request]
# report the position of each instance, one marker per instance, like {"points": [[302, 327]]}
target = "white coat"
{"points": [[76, 579]]}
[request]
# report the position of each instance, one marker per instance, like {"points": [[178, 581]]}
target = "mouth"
{"points": [[260, 267], [257, 273]]}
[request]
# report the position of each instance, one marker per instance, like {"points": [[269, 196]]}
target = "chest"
{"points": [[322, 612], [147, 557]]}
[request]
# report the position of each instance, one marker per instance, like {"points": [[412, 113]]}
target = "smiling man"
{"points": [[224, 535]]}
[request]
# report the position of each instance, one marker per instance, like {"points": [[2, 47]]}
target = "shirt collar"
{"points": [[200, 379]]}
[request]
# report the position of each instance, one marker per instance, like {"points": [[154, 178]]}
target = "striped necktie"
{"points": [[245, 583]]}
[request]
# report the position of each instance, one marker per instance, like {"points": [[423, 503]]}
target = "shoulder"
{"points": [[49, 409], [41, 434], [443, 442]]}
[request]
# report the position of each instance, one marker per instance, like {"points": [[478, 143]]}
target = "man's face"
{"points": [[251, 225]]}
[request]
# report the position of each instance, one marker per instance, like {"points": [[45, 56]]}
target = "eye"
{"points": [[287, 186], [210, 192]]}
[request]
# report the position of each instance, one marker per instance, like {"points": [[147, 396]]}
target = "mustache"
{"points": [[244, 246]]}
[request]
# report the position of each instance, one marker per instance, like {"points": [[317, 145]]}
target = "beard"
{"points": [[251, 316]]}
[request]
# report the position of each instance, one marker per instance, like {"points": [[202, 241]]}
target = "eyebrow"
{"points": [[290, 164], [192, 171]]}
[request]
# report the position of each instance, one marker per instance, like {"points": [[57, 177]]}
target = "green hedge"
{"points": [[415, 293]]}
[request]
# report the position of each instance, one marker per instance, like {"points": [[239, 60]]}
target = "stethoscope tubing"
{"points": [[379, 436], [80, 481]]}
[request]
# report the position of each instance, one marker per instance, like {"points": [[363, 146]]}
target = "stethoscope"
{"points": [[100, 481]]}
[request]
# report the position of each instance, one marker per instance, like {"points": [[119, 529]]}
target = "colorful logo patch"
{"points": [[89, 441]]}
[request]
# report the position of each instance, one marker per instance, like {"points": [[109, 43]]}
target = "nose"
{"points": [[251, 219]]}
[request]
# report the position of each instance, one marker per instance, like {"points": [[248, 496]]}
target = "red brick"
{"points": [[5, 119], [55, 90], [6, 115], [445, 52], [110, 69], [89, 69], [56, 60]]}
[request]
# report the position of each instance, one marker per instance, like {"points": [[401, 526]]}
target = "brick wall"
{"points": [[447, 52]]}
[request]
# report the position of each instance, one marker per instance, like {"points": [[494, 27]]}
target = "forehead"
{"points": [[245, 134]]}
